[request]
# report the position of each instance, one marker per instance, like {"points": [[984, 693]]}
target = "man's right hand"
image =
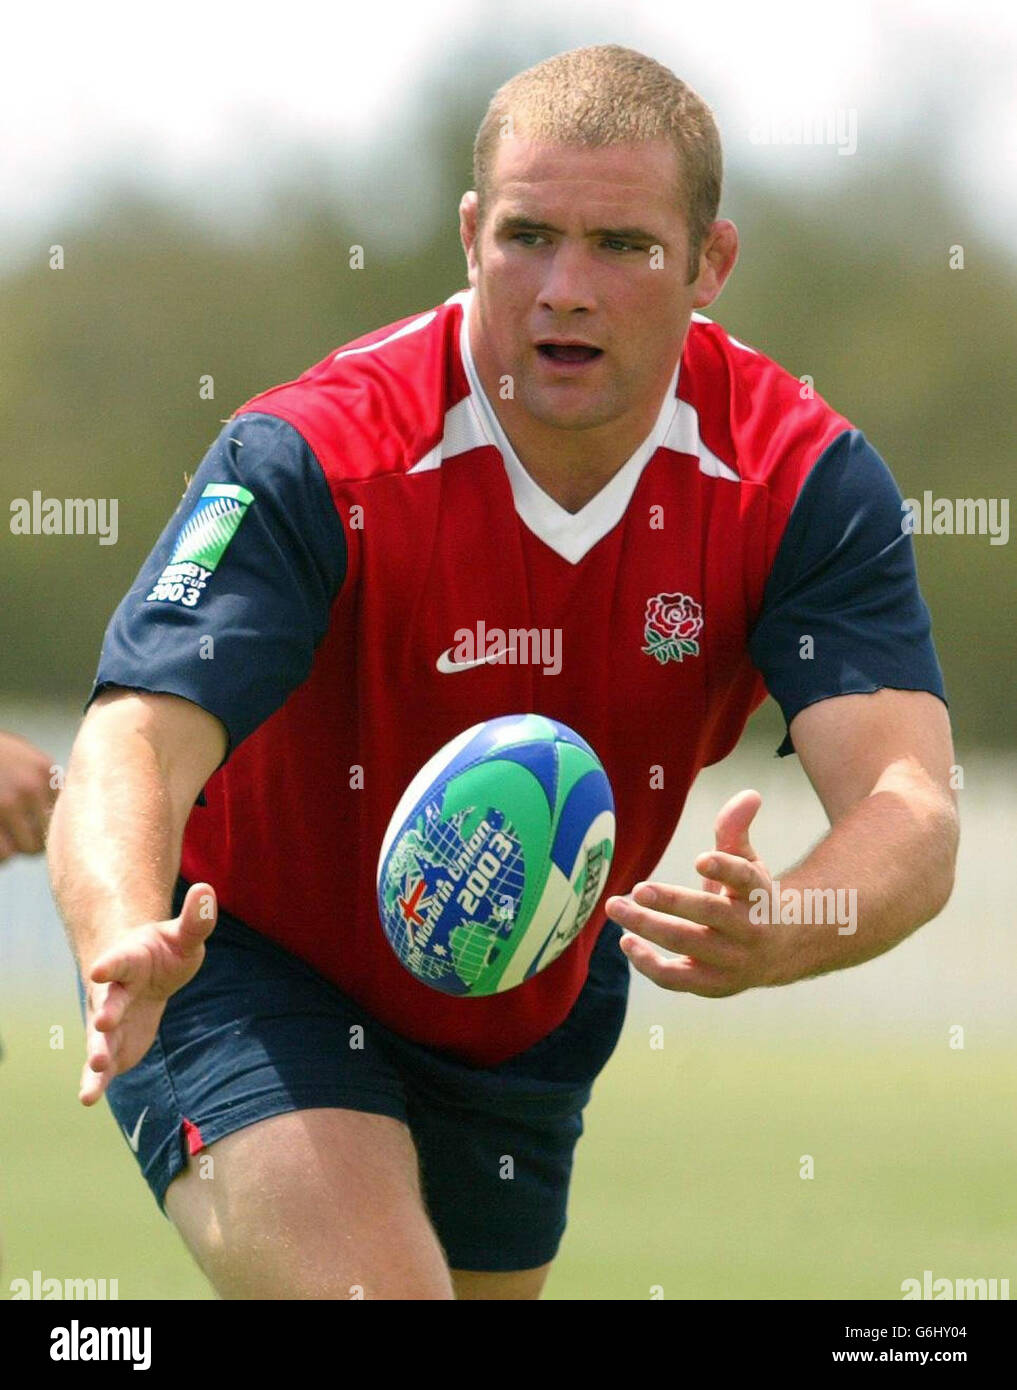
{"points": [[128, 985]]}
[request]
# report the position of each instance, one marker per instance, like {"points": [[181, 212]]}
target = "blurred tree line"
{"points": [[100, 366]]}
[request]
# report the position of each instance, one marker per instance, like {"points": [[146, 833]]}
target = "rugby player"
{"points": [[567, 445]]}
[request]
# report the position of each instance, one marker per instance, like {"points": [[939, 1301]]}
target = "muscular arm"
{"points": [[266, 580], [880, 764], [138, 764], [866, 715]]}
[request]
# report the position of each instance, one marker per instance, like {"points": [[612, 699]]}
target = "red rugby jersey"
{"points": [[347, 528]]}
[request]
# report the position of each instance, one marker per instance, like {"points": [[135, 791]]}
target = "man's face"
{"points": [[580, 270]]}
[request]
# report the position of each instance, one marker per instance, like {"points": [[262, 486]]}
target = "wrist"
{"points": [[807, 925]]}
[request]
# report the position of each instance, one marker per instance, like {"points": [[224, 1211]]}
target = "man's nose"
{"points": [[568, 283]]}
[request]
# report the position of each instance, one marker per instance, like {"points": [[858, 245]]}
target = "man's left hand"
{"points": [[722, 951]]}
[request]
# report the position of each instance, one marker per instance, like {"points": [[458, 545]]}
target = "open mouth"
{"points": [[569, 352]]}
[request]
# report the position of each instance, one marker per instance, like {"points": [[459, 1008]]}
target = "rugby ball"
{"points": [[496, 855]]}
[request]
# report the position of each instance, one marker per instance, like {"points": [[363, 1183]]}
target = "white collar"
{"points": [[570, 534]]}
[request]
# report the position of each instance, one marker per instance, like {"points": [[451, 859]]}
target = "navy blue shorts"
{"points": [[257, 1032]]}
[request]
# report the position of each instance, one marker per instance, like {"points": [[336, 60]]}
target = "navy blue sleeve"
{"points": [[233, 600], [844, 577]]}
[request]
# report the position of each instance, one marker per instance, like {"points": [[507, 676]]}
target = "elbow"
{"points": [[941, 862], [939, 895]]}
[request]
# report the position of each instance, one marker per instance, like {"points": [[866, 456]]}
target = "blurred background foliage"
{"points": [[100, 362]]}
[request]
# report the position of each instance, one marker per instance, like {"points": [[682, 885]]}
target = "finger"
{"points": [[734, 876], [731, 828], [7, 847], [681, 974], [671, 933], [111, 1012], [99, 1067], [89, 1087], [92, 1084], [121, 964], [197, 918], [95, 997], [708, 909]]}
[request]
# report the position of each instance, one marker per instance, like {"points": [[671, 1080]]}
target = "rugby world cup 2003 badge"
{"points": [[201, 544], [672, 624]]}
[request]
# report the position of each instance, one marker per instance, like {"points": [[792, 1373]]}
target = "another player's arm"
{"points": [[26, 796], [138, 764]]}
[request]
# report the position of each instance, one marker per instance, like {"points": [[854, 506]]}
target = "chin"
{"points": [[578, 416]]}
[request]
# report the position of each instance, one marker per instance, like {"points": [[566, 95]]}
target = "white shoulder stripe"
{"points": [[701, 318], [684, 438], [414, 327], [744, 346]]}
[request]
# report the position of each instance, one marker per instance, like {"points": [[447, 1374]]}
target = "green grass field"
{"points": [[687, 1177]]}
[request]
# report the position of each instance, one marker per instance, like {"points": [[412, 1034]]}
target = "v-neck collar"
{"points": [[569, 534]]}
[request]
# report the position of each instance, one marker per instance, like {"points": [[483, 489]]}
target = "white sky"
{"points": [[182, 92]]}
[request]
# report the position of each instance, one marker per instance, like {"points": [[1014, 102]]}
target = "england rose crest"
{"points": [[673, 622]]}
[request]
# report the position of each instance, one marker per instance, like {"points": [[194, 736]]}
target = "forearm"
{"points": [[885, 868], [114, 843]]}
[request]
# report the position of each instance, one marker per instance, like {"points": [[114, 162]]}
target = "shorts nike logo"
{"points": [[135, 1139], [446, 665]]}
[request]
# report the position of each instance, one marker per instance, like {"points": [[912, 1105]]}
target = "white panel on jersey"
{"points": [[570, 534], [684, 438], [414, 327], [701, 318], [463, 431]]}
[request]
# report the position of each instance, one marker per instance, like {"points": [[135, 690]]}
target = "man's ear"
{"points": [[716, 261], [468, 233]]}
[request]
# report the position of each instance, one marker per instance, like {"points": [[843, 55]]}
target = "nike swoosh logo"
{"points": [[447, 666], [135, 1139]]}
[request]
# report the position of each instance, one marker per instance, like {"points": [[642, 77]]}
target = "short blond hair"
{"points": [[606, 95]]}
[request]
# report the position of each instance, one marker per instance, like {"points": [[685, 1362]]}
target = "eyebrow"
{"points": [[516, 222]]}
